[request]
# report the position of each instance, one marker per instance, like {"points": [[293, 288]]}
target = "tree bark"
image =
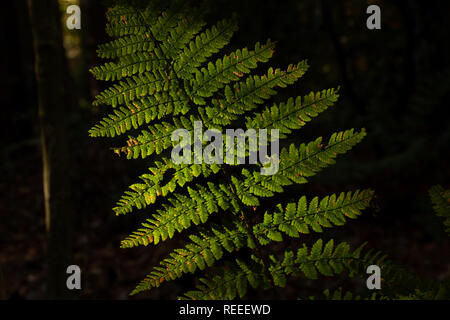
{"points": [[50, 72]]}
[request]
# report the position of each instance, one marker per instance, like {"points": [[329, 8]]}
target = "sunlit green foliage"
{"points": [[167, 73]]}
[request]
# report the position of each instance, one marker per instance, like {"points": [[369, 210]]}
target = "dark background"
{"points": [[394, 82]]}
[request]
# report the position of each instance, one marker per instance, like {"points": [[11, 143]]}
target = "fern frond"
{"points": [[143, 194], [123, 47], [227, 69], [141, 112], [129, 65], [300, 218], [187, 28], [169, 19], [135, 88], [327, 260], [320, 259], [296, 164], [441, 204], [293, 114], [400, 283], [339, 294], [201, 252], [124, 21], [441, 292], [229, 282], [140, 31], [165, 79], [182, 211], [156, 139], [247, 95], [203, 46]]}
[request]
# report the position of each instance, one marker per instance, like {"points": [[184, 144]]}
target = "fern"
{"points": [[327, 260], [338, 294], [441, 204], [163, 61]]}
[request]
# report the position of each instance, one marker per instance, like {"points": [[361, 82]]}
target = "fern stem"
{"points": [[173, 70], [258, 250]]}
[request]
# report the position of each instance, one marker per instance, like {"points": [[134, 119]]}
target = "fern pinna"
{"points": [[167, 74], [441, 204]]}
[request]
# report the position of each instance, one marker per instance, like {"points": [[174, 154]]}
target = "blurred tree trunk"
{"points": [[50, 72]]}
